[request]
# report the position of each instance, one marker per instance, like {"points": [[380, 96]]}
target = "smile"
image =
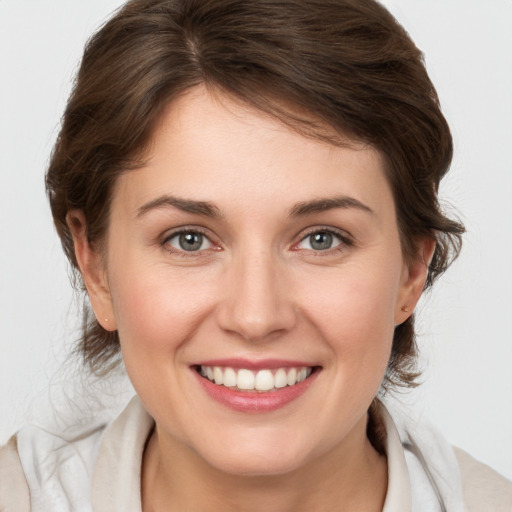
{"points": [[263, 380]]}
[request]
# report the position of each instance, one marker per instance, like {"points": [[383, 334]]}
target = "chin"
{"points": [[257, 459], [261, 467]]}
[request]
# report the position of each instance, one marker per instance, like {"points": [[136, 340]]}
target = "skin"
{"points": [[256, 289]]}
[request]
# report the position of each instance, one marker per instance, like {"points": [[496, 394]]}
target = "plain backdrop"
{"points": [[465, 325]]}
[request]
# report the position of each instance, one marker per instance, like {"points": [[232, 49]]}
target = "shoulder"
{"points": [[482, 487], [459, 481], [14, 493], [59, 467], [48, 470], [62, 471]]}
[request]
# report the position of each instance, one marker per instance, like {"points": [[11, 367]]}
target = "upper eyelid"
{"points": [[164, 244], [344, 235], [346, 241], [170, 233], [304, 233]]}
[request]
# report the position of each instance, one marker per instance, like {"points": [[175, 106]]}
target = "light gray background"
{"points": [[465, 325]]}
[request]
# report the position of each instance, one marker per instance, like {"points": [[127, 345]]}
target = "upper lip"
{"points": [[251, 364]]}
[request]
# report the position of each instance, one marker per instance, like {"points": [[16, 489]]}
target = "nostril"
{"points": [[256, 322]]}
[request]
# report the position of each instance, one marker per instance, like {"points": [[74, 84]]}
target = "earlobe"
{"points": [[92, 269], [414, 277]]}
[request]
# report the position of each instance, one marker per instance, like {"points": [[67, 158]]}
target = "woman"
{"points": [[248, 191]]}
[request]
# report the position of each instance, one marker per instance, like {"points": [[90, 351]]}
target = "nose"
{"points": [[257, 301]]}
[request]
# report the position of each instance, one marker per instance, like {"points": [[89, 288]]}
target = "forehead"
{"points": [[210, 147]]}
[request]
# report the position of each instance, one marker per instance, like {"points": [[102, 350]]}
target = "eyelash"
{"points": [[344, 238], [183, 253]]}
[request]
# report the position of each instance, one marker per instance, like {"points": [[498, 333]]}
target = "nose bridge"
{"points": [[257, 298]]}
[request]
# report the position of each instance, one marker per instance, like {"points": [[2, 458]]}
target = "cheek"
{"points": [[157, 310], [355, 310]]}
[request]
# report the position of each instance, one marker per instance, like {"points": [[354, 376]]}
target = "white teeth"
{"points": [[292, 377], [280, 379], [262, 380], [218, 375], [229, 378], [245, 380]]}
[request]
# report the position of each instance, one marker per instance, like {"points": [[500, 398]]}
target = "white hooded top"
{"points": [[100, 470]]}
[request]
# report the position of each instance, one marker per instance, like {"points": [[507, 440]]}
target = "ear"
{"points": [[414, 275], [93, 272]]}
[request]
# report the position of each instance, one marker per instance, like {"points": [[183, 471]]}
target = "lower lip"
{"points": [[255, 402]]}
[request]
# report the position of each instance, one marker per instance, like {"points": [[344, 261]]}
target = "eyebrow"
{"points": [[186, 205], [322, 205], [208, 209]]}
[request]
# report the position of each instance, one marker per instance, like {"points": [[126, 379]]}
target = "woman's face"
{"points": [[258, 257]]}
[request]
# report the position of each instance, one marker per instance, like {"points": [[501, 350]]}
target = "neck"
{"points": [[352, 476]]}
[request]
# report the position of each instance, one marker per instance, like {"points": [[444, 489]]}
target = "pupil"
{"points": [[321, 241], [191, 241]]}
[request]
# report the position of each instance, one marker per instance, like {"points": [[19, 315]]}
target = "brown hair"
{"points": [[347, 64]]}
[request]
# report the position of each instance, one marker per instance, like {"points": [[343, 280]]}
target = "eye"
{"points": [[189, 241], [321, 240]]}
